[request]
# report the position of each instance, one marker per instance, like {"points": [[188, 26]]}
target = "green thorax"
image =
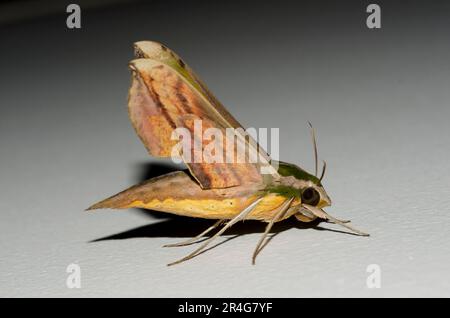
{"points": [[286, 170]]}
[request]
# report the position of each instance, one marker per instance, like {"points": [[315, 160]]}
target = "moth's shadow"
{"points": [[185, 227], [147, 170]]}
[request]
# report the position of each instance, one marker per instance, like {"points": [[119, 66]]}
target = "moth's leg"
{"points": [[278, 216], [341, 221], [324, 215], [196, 238], [238, 218]]}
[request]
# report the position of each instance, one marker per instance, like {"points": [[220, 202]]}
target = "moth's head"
{"points": [[315, 195], [308, 187]]}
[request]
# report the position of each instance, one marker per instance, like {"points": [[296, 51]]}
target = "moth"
{"points": [[166, 94]]}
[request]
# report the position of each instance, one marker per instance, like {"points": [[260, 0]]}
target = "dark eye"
{"points": [[310, 196]]}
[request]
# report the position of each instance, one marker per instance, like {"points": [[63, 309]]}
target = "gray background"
{"points": [[379, 100]]}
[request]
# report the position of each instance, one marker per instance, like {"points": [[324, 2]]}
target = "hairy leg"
{"points": [[196, 238], [324, 215], [238, 218], [278, 216]]}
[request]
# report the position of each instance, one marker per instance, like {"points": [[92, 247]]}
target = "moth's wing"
{"points": [[176, 186], [178, 193], [211, 160], [158, 52], [160, 95]]}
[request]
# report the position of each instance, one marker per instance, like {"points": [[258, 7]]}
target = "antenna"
{"points": [[313, 135], [323, 170]]}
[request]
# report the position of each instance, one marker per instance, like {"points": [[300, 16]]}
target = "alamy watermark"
{"points": [[230, 145], [373, 21], [73, 20], [73, 280], [374, 278]]}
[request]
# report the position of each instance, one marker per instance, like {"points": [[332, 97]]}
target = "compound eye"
{"points": [[310, 196]]}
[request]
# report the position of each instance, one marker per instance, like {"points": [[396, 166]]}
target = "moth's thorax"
{"points": [[291, 181]]}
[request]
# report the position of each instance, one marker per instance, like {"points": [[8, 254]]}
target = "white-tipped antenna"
{"points": [[313, 135]]}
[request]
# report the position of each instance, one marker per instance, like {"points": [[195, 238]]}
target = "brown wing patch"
{"points": [[148, 117], [212, 174], [166, 101]]}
